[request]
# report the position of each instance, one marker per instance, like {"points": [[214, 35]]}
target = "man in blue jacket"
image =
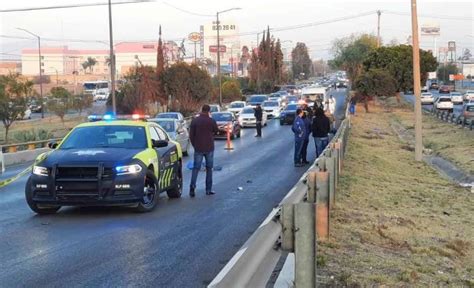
{"points": [[299, 130]]}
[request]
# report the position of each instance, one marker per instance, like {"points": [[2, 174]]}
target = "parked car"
{"points": [[247, 117], [272, 108], [468, 112], [171, 115], [456, 97], [444, 89], [226, 121], [469, 95], [256, 99], [236, 106], [35, 107], [444, 103], [288, 115], [176, 131], [427, 98]]}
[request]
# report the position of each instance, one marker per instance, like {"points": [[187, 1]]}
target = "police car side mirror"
{"points": [[159, 143], [52, 145]]}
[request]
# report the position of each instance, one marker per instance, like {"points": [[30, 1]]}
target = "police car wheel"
{"points": [[177, 189], [150, 193], [38, 208]]}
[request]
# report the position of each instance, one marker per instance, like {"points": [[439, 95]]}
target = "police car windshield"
{"points": [[130, 137], [167, 125], [222, 116], [167, 116]]}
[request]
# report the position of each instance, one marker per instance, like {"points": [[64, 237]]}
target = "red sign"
{"points": [[213, 48]]}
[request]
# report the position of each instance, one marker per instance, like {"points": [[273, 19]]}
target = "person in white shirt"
{"points": [[331, 105]]}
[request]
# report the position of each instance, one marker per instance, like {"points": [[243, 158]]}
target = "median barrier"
{"points": [[295, 225], [21, 157]]}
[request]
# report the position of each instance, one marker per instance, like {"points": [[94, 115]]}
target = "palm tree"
{"points": [[91, 63], [85, 65]]}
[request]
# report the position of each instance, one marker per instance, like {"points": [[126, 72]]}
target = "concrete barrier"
{"points": [[22, 156]]}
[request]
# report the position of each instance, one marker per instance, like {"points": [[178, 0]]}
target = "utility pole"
{"points": [[416, 83], [219, 59], [112, 59], [378, 27], [40, 69]]}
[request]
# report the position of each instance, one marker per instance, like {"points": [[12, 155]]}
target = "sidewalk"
{"points": [[397, 222]]}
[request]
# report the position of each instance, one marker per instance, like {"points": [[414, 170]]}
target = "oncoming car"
{"points": [[427, 98], [115, 162]]}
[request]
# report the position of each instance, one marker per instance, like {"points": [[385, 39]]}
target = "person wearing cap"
{"points": [[258, 118], [201, 133], [298, 129]]}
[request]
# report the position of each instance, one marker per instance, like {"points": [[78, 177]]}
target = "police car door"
{"points": [[168, 156]]}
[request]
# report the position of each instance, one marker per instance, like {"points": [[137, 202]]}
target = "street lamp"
{"points": [[219, 51], [40, 70]]}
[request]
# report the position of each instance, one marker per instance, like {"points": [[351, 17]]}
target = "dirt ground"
{"points": [[397, 223]]}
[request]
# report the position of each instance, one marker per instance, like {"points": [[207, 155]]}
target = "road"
{"points": [[183, 243], [457, 108]]}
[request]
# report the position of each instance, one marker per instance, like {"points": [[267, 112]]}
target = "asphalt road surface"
{"points": [[183, 243], [456, 110]]}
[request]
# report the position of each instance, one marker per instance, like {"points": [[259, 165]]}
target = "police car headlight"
{"points": [[128, 169], [40, 171]]}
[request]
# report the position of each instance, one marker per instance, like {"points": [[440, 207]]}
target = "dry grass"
{"points": [[397, 223], [51, 124]]}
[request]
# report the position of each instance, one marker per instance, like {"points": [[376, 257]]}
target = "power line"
{"points": [[430, 16], [70, 6], [187, 11]]}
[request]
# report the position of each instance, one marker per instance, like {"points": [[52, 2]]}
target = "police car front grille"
{"points": [[77, 172]]}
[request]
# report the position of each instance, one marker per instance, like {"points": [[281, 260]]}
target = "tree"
{"points": [[444, 70], [374, 83], [60, 102], [82, 102], [231, 90], [14, 90], [188, 85], [89, 63], [397, 60], [350, 53], [160, 67], [301, 63]]}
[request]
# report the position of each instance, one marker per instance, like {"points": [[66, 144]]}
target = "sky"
{"points": [[140, 22]]}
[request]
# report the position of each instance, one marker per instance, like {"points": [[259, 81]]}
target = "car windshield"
{"points": [[291, 107], [444, 100], [107, 136], [257, 99], [167, 125], [248, 111], [270, 104], [214, 108], [222, 116], [455, 94], [237, 105], [426, 94], [167, 116]]}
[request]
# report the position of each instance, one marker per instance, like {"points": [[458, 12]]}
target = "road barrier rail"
{"points": [[450, 117], [300, 219]]}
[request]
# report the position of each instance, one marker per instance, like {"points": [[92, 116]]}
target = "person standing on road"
{"points": [[201, 133], [320, 128], [307, 125], [299, 131], [352, 105], [332, 105], [258, 118]]}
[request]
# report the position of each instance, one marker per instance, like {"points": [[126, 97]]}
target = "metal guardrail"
{"points": [[253, 264], [449, 117]]}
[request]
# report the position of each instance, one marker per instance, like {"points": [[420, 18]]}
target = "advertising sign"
{"points": [[451, 77], [213, 48], [430, 29], [452, 46], [432, 75], [194, 37]]}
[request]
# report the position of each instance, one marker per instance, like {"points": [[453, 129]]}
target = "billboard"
{"points": [[194, 37], [452, 46], [213, 48], [430, 29]]}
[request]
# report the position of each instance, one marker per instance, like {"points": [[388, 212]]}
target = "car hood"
{"points": [[247, 115], [91, 155]]}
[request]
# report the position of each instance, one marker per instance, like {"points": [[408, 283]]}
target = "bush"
{"points": [[32, 135], [231, 91], [376, 82]]}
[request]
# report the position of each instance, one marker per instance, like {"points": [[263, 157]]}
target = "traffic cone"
{"points": [[229, 145]]}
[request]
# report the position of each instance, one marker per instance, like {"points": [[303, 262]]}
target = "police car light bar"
{"points": [[109, 117]]}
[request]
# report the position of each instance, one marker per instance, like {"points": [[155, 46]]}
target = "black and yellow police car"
{"points": [[108, 161]]}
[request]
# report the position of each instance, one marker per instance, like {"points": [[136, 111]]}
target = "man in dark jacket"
{"points": [[307, 125], [258, 118], [320, 128], [299, 131], [201, 133]]}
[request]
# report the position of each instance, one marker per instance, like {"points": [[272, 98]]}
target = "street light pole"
{"points": [[416, 84], [40, 70], [219, 52], [112, 59]]}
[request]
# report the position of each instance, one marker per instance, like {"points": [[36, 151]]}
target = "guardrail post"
{"points": [[305, 246], [288, 227], [12, 149], [2, 162], [322, 205], [311, 182], [31, 146], [452, 118], [330, 166], [337, 147]]}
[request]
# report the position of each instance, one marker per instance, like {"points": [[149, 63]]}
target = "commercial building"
{"points": [[64, 61], [7, 67]]}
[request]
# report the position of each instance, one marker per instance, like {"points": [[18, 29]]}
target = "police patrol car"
{"points": [[109, 161]]}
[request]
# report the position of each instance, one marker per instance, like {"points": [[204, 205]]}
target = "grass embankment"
{"points": [[51, 124], [396, 221]]}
